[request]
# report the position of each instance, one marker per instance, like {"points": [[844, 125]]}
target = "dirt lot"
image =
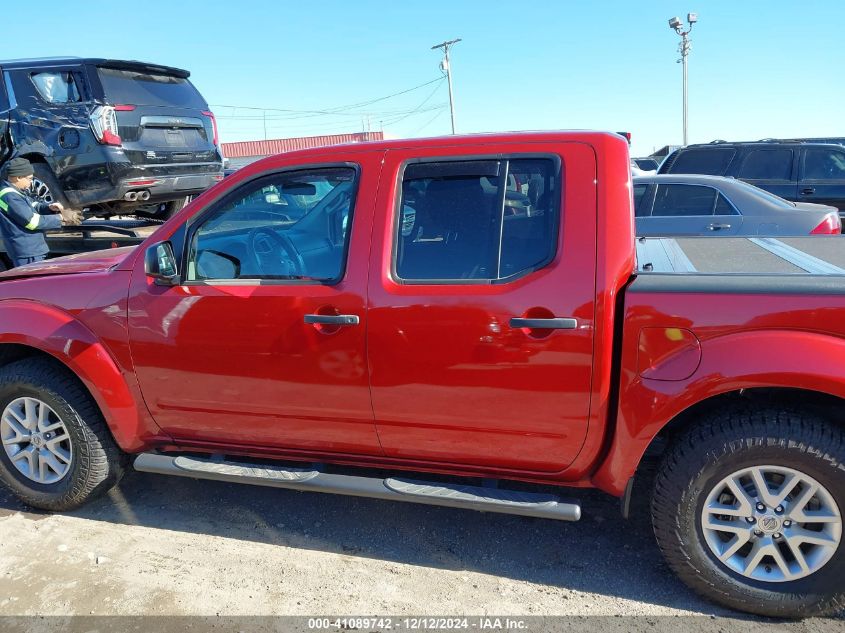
{"points": [[173, 546]]}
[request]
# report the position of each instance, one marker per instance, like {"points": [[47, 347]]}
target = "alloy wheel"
{"points": [[41, 192], [771, 523], [36, 440]]}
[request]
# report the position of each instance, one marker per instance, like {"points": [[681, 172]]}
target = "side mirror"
{"points": [[160, 264]]}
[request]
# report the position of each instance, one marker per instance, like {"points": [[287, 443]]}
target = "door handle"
{"points": [[717, 227], [332, 319], [544, 324], [808, 191]]}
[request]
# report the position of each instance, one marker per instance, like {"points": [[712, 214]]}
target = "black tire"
{"points": [[45, 187], [97, 463], [724, 444], [161, 211]]}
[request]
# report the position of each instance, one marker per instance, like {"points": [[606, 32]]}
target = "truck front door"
{"points": [[481, 320], [262, 343]]}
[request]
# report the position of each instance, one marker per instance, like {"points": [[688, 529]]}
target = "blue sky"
{"points": [[757, 69]]}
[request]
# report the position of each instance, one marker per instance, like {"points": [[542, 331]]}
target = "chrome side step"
{"points": [[396, 489]]}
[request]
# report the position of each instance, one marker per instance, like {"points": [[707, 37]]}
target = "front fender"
{"points": [[57, 333], [769, 358]]}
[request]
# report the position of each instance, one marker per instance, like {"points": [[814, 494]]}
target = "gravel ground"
{"points": [[167, 546]]}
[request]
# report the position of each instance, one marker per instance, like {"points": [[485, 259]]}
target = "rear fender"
{"points": [[807, 361], [59, 334]]}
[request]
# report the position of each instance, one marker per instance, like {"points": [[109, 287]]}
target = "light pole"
{"points": [[445, 65], [684, 49]]}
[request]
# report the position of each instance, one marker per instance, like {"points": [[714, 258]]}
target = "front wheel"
{"points": [[748, 511], [55, 449]]}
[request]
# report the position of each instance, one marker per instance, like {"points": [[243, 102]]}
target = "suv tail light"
{"points": [[210, 115], [104, 125], [831, 225]]}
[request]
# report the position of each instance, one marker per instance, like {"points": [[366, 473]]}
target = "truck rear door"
{"points": [[481, 304]]}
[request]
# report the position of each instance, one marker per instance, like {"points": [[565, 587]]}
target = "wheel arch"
{"points": [[828, 406], [772, 367], [37, 330], [35, 157]]}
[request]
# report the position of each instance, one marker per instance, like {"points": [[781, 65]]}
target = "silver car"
{"points": [[687, 204]]}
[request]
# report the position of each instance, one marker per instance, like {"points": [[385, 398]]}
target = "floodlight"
{"points": [[692, 18], [675, 23]]}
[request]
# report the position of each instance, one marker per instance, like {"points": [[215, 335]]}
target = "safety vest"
{"points": [[33, 223]]}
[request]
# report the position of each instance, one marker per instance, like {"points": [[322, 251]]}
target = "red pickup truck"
{"points": [[456, 321]]}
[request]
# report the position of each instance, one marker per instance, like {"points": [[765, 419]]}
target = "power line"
{"points": [[253, 117], [417, 109], [330, 121], [429, 122], [325, 123], [335, 110]]}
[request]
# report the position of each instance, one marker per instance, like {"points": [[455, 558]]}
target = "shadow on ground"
{"points": [[602, 554]]}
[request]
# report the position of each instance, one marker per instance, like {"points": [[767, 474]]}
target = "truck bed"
{"points": [[818, 255]]}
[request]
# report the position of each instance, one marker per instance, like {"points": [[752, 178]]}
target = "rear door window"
{"points": [[142, 88], [684, 200], [713, 161], [824, 164], [723, 207], [58, 86], [767, 164], [487, 220]]}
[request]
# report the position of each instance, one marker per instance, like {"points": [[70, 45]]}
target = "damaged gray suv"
{"points": [[107, 136]]}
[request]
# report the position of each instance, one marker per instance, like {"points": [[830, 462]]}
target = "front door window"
{"points": [[291, 226]]}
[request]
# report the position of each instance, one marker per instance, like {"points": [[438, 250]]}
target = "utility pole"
{"points": [[684, 48], [445, 65]]}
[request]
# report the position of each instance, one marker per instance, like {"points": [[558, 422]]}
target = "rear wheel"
{"points": [[45, 187], [56, 450], [748, 511]]}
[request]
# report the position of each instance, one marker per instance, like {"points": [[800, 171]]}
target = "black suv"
{"points": [[795, 170], [109, 136]]}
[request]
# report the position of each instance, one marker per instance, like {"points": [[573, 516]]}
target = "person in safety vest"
{"points": [[22, 220]]}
